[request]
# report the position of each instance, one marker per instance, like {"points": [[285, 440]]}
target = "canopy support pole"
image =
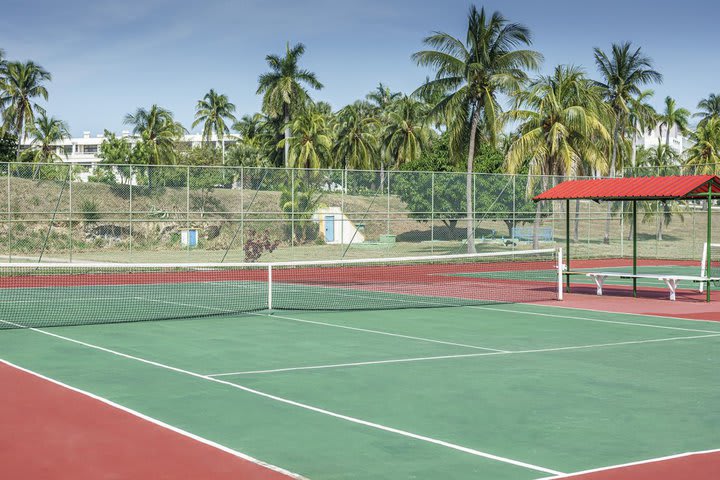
{"points": [[567, 241], [708, 263], [634, 227]]}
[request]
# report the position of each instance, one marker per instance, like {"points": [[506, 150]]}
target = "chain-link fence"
{"points": [[123, 213]]}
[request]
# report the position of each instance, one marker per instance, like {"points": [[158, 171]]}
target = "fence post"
{"points": [[432, 212], [388, 203], [9, 215], [70, 194], [292, 213], [187, 204], [343, 181], [131, 208], [242, 208]]}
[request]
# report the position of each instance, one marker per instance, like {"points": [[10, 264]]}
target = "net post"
{"points": [[560, 273], [567, 239], [703, 264], [270, 288], [634, 227]]}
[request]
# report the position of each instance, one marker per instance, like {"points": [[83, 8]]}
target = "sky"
{"points": [[109, 57]]}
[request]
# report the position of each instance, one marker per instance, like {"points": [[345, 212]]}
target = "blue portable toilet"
{"points": [[329, 228]]}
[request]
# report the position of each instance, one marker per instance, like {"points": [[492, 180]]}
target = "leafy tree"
{"points": [[299, 200], [493, 193], [283, 89], [381, 97], [623, 74], [406, 133], [214, 111], [704, 154], [708, 108], [357, 138], [472, 74], [310, 144], [20, 84], [158, 133], [114, 150], [673, 116], [8, 147], [46, 135]]}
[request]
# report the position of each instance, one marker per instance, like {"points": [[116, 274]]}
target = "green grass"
{"points": [[631, 390]]}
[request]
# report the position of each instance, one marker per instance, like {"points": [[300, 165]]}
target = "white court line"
{"points": [[631, 464], [365, 330], [322, 411], [467, 355], [156, 421]]}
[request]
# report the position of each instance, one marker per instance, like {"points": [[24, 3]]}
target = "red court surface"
{"points": [[51, 432]]}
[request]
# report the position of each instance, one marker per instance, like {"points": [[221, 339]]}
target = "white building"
{"points": [[651, 138], [84, 150]]}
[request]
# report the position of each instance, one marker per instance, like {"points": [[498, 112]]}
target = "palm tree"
{"points": [[623, 73], [673, 116], [310, 144], [642, 117], [357, 140], [704, 154], [159, 132], [283, 91], [708, 108], [406, 134], [20, 84], [47, 134], [562, 128], [381, 97], [213, 111], [472, 74]]}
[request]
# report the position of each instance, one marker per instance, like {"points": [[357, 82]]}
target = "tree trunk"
{"points": [[633, 158], [20, 140], [613, 160], [510, 224], [470, 218], [450, 225], [667, 135], [538, 217], [286, 151]]}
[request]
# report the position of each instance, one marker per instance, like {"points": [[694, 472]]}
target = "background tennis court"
{"points": [[480, 391]]}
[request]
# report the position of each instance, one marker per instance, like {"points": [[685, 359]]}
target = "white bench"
{"points": [[670, 280]]}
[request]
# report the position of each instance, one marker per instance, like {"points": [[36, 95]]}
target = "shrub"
{"points": [[257, 244], [90, 211]]}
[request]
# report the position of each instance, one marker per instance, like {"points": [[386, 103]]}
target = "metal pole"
{"points": [[432, 212], [242, 208], [270, 288], [343, 182], [388, 202], [187, 206], [71, 213], [131, 210], [560, 273], [708, 263], [9, 215], [634, 227], [567, 241], [292, 212]]}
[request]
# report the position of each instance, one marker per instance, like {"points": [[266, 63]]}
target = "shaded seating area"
{"points": [[634, 190]]}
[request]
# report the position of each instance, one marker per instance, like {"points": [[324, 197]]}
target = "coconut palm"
{"points": [[562, 127], [20, 84], [310, 144], [624, 71], [214, 111], [406, 132], [249, 127], [704, 154], [708, 108], [356, 145], [472, 74], [158, 132], [381, 97], [672, 116], [283, 89], [47, 135]]}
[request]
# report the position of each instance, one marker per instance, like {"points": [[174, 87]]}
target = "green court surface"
{"points": [[494, 392]]}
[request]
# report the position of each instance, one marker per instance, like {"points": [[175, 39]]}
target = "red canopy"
{"points": [[680, 187]]}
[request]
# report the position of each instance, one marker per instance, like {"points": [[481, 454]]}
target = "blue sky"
{"points": [[109, 57]]}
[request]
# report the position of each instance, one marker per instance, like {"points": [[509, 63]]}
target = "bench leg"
{"points": [[599, 280], [672, 285]]}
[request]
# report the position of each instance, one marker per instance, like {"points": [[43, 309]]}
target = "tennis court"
{"points": [[460, 368]]}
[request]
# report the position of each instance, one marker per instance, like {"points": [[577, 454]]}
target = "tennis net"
{"points": [[51, 294]]}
